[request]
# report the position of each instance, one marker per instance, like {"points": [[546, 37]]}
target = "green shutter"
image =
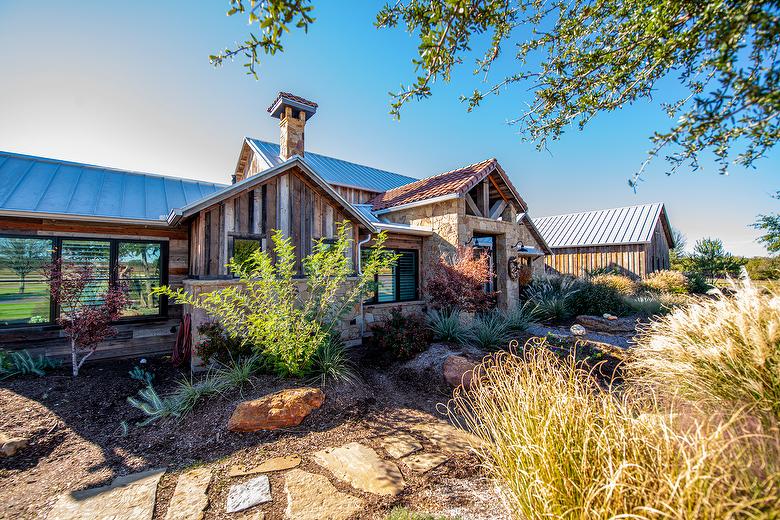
{"points": [[406, 271]]}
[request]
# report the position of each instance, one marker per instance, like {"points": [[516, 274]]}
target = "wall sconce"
{"points": [[469, 241], [519, 247]]}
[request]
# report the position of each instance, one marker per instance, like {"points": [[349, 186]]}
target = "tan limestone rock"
{"points": [[400, 444], [424, 462], [267, 466], [280, 410], [190, 497], [362, 468], [458, 370], [130, 497], [313, 497], [447, 438], [10, 445]]}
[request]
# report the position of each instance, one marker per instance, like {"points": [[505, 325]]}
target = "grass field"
{"points": [[16, 307]]}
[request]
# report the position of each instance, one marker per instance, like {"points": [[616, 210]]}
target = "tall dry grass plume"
{"points": [[563, 446]]}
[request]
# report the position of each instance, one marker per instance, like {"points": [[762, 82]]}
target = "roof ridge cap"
{"points": [[602, 209]]}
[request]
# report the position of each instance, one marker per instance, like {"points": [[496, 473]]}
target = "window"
{"points": [[398, 283], [244, 246], [24, 293]]}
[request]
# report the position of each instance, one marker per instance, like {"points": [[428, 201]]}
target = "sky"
{"points": [[129, 85]]}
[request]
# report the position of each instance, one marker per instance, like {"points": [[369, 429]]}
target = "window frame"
{"points": [[113, 243], [374, 300]]}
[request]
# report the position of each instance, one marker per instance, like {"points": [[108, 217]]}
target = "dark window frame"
{"points": [[374, 300], [249, 237], [113, 242]]}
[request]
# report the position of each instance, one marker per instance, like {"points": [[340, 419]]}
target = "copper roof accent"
{"points": [[291, 97], [456, 181]]}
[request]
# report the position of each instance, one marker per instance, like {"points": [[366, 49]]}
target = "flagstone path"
{"points": [[308, 495]]}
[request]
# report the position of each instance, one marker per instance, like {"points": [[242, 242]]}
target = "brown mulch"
{"points": [[77, 440]]}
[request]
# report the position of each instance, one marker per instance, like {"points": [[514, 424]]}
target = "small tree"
{"points": [[85, 323], [24, 256], [287, 319], [711, 259], [770, 229], [458, 281]]}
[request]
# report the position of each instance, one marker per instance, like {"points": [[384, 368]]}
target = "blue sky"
{"points": [[129, 85]]}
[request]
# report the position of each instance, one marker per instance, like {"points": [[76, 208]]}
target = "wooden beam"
{"points": [[283, 204], [497, 188], [497, 209], [257, 211], [472, 205], [485, 197]]}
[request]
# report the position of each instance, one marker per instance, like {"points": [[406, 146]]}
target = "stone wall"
{"points": [[452, 227]]}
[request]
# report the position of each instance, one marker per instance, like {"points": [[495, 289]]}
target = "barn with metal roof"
{"points": [[633, 240]]}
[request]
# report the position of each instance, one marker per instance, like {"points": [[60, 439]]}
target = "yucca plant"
{"points": [[331, 363], [551, 295], [237, 372], [154, 406], [446, 326], [520, 317], [489, 331]]}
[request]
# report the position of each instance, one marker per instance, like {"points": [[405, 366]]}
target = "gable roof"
{"points": [[444, 185], [31, 185], [190, 209], [524, 218], [336, 171], [627, 225]]}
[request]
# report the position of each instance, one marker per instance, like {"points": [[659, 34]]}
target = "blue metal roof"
{"points": [[336, 171], [51, 186], [629, 225]]}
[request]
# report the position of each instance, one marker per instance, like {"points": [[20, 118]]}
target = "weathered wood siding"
{"points": [[136, 337], [636, 260], [289, 202], [355, 195]]}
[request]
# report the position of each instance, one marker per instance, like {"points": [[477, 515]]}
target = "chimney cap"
{"points": [[286, 99]]}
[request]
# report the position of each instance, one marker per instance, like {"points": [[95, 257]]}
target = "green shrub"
{"points": [[724, 351], [520, 317], [552, 296], [287, 326], [697, 284], [402, 513], [331, 363], [399, 336], [218, 345], [666, 281], [646, 305], [620, 283], [142, 375], [596, 299], [445, 326], [237, 372], [489, 331]]}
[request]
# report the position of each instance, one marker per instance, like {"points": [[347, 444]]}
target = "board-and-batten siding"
{"points": [[290, 202], [637, 260], [147, 337]]}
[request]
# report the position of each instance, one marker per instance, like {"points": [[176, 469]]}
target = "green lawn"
{"points": [[16, 307]]}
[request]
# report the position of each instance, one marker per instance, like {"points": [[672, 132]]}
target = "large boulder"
{"points": [[10, 445], [599, 324], [458, 370], [280, 410]]}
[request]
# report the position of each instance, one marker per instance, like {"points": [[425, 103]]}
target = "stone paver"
{"points": [[400, 444], [424, 462], [361, 467], [250, 493], [190, 497], [446, 437], [313, 497], [267, 466], [130, 497]]}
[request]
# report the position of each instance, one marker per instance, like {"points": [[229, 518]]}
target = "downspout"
{"points": [[360, 272]]}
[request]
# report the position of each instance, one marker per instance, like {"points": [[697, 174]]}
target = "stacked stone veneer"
{"points": [[451, 227]]}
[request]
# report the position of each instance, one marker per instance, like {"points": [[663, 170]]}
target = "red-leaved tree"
{"points": [[85, 322], [458, 281]]}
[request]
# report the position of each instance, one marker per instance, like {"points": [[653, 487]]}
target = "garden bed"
{"points": [[77, 440]]}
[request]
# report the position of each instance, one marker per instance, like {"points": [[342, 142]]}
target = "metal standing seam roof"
{"points": [[336, 171], [628, 225], [51, 186]]}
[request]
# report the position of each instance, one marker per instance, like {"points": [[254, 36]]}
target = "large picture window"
{"points": [[137, 265], [398, 283]]}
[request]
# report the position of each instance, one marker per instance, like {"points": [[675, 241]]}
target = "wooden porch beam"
{"points": [[497, 209], [472, 205]]}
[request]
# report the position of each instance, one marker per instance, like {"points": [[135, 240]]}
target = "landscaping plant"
{"points": [[331, 363], [723, 351], [218, 345], [285, 319], [596, 299], [489, 331], [666, 281], [399, 336], [618, 282], [21, 363], [458, 281], [564, 447], [85, 323], [552, 294], [520, 317], [446, 326]]}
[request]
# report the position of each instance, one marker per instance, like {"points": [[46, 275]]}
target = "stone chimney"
{"points": [[292, 111]]}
